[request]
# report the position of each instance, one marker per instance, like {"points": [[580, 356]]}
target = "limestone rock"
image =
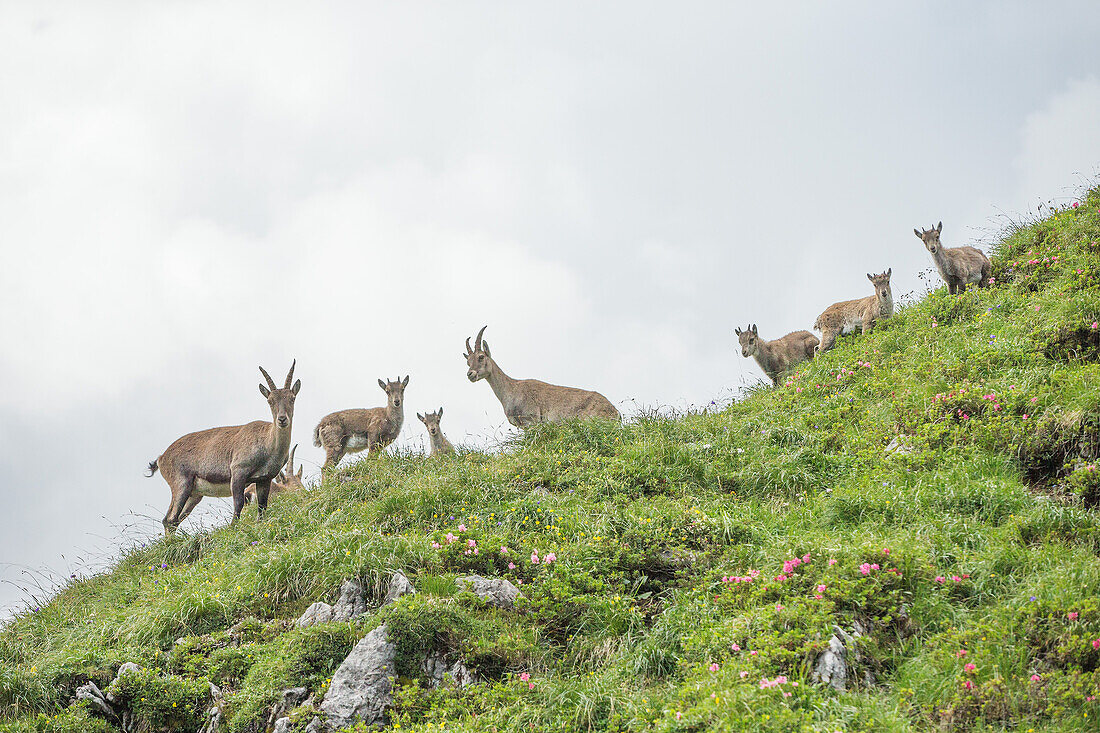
{"points": [[497, 592], [399, 586], [318, 613], [832, 666], [361, 688], [351, 603], [282, 725], [436, 672], [291, 699]]}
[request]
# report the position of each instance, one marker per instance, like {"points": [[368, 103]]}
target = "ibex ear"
{"points": [[737, 331], [939, 227], [889, 272], [382, 384], [301, 471], [405, 381], [870, 277], [297, 386], [485, 348], [421, 418], [754, 332], [264, 391], [919, 235], [441, 412]]}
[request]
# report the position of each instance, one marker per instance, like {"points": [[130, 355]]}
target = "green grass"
{"points": [[994, 393]]}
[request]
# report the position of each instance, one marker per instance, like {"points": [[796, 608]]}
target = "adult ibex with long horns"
{"points": [[223, 461], [529, 401]]}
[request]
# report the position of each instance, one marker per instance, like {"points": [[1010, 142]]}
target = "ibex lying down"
{"points": [[223, 461], [958, 266], [286, 481], [845, 317], [776, 357], [529, 401], [351, 431], [440, 444]]}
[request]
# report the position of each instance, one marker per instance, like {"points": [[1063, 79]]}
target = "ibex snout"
{"points": [[471, 375], [283, 421]]}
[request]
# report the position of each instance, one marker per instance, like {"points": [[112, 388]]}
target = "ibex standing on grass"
{"points": [[776, 357], [845, 317], [286, 481], [440, 444], [529, 401], [351, 431], [958, 266], [223, 461]]}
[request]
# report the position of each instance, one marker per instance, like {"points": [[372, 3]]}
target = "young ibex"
{"points": [[841, 318], [351, 431], [776, 357], [440, 444], [223, 461], [286, 481], [529, 401], [958, 266]]}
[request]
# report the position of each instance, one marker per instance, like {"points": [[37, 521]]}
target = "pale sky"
{"points": [[189, 190]]}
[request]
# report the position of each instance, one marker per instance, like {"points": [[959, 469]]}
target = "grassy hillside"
{"points": [[968, 557]]}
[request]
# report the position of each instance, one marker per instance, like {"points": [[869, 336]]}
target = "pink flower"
{"points": [[679, 715], [874, 566], [511, 566], [503, 550], [1095, 325], [449, 537], [436, 545], [821, 588], [968, 685], [549, 558], [713, 667], [956, 578], [779, 607], [1036, 678], [886, 551], [940, 579], [737, 647], [530, 685], [832, 562], [524, 677], [960, 653], [534, 558], [806, 558], [781, 578], [970, 667], [462, 528], [1072, 615], [1096, 643], [865, 568], [471, 543], [744, 674], [752, 653], [818, 596]]}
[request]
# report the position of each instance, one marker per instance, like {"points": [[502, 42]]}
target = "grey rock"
{"points": [[900, 445], [399, 586], [316, 725], [214, 714], [291, 699], [351, 603], [437, 672], [318, 613], [126, 667], [361, 688], [494, 591], [97, 699], [282, 725], [832, 666]]}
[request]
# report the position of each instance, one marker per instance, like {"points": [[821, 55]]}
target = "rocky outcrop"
{"points": [[834, 665], [362, 686], [494, 591], [291, 699], [399, 586], [318, 613], [352, 601], [437, 672]]}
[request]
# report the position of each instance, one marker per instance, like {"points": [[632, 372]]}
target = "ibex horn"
{"points": [[290, 374], [290, 463], [270, 381], [468, 349], [477, 341]]}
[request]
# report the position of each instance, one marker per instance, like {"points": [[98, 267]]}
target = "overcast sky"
{"points": [[189, 190]]}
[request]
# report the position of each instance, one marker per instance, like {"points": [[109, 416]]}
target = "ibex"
{"points": [[529, 401], [286, 481], [776, 357], [223, 461], [845, 317], [351, 431], [958, 266], [440, 444]]}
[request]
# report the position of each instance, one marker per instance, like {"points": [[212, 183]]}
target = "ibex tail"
{"points": [[152, 467]]}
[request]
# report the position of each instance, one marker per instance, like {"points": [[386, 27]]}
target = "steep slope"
{"points": [[929, 488]]}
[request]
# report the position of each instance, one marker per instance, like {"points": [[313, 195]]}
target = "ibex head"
{"points": [[750, 340], [395, 391], [478, 359], [882, 283], [431, 421], [288, 480], [930, 237], [281, 399]]}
